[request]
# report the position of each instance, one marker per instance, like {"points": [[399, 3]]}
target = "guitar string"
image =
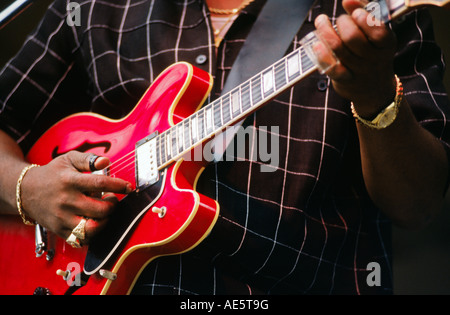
{"points": [[128, 160], [128, 167]]}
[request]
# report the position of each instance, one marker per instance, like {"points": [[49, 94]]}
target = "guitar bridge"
{"points": [[147, 172]]}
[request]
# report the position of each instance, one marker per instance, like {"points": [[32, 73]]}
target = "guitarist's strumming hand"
{"points": [[365, 49], [58, 195]]}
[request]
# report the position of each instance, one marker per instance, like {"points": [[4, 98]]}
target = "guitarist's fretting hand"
{"points": [[365, 49], [60, 193], [396, 161]]}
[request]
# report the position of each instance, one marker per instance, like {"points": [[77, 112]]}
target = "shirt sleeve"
{"points": [[420, 65], [43, 82]]}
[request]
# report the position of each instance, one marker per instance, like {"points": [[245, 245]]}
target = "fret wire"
{"points": [[205, 130], [187, 134], [168, 144], [194, 130], [213, 125], [161, 152], [209, 118], [250, 96], [171, 139], [163, 146], [235, 107], [230, 106], [180, 133], [222, 120], [226, 114], [240, 99], [280, 75], [305, 61], [166, 135], [173, 136], [191, 129], [180, 139], [217, 114], [176, 139], [268, 82], [158, 151], [256, 89], [286, 77], [286, 69], [246, 96], [302, 60], [200, 124], [294, 65]]}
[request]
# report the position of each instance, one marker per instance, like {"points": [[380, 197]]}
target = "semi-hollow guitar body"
{"points": [[168, 217]]}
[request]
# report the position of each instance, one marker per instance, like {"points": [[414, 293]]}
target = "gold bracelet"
{"points": [[19, 193], [388, 115], [230, 11]]}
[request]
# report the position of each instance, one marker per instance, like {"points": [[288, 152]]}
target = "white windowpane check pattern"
{"points": [[308, 226]]}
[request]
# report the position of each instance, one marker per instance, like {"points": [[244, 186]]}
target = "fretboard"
{"points": [[232, 107], [240, 102]]}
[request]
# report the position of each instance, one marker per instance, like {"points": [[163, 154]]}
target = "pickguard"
{"points": [[108, 243]]}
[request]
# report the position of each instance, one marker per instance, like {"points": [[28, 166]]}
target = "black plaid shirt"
{"points": [[308, 226]]}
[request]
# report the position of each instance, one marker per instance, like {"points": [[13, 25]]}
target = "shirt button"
{"points": [[201, 59], [322, 85]]}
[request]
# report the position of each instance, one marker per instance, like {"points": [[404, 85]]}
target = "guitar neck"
{"points": [[240, 102], [232, 107], [393, 9]]}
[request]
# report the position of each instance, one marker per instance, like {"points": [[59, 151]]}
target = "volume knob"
{"points": [[42, 291]]}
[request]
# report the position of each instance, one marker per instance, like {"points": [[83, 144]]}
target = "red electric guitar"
{"points": [[152, 147]]}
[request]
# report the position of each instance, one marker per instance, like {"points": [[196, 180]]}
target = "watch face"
{"points": [[387, 118]]}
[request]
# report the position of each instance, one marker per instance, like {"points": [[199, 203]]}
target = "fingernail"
{"points": [[129, 188], [325, 56], [321, 19], [358, 13], [108, 196]]}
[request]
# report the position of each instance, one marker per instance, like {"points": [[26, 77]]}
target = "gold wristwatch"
{"points": [[387, 116]]}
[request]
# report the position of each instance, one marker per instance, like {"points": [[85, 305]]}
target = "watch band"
{"points": [[387, 116]]}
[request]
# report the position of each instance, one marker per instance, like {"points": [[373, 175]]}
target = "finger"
{"points": [[93, 183], [82, 205], [352, 38], [330, 40], [376, 32], [327, 33], [91, 228], [86, 162], [335, 70], [98, 162], [96, 208], [351, 5], [110, 197]]}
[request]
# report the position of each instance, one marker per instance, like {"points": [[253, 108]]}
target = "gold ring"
{"points": [[73, 241], [79, 230]]}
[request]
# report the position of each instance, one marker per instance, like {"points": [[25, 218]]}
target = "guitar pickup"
{"points": [[147, 172]]}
